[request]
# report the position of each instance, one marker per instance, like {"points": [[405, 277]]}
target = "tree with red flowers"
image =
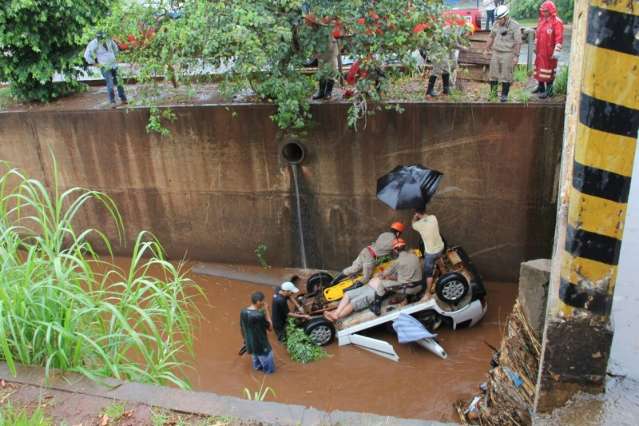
{"points": [[263, 44]]}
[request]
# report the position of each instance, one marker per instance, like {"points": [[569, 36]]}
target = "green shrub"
{"points": [[526, 9], [39, 38], [10, 416], [300, 347], [560, 86], [63, 307]]}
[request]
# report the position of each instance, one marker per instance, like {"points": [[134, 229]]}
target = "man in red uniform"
{"points": [[550, 36]]}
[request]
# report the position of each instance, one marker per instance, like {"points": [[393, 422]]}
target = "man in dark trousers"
{"points": [[280, 311], [255, 322]]}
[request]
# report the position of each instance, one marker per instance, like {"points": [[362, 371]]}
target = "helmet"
{"points": [[398, 243], [501, 11], [398, 226]]}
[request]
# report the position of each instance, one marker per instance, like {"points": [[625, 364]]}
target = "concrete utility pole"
{"points": [[602, 119]]}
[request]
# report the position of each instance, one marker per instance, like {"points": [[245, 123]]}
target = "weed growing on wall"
{"points": [[300, 347], [260, 252], [63, 307]]}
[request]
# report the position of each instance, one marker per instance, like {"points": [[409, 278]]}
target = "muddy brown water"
{"points": [[420, 385]]}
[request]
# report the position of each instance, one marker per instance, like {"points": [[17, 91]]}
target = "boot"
{"points": [[338, 278], [446, 80], [541, 87], [493, 88], [505, 88], [321, 94], [376, 306], [548, 92], [328, 92], [431, 86]]}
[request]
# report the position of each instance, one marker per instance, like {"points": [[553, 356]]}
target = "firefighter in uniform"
{"points": [[365, 261], [505, 43]]}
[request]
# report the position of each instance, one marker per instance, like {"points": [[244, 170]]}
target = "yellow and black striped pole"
{"points": [[600, 144]]}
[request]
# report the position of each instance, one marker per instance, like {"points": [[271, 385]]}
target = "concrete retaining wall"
{"points": [[219, 187]]}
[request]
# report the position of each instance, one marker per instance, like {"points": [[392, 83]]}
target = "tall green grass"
{"points": [[561, 81], [63, 307]]}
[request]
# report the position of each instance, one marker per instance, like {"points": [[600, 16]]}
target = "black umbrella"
{"points": [[408, 187]]}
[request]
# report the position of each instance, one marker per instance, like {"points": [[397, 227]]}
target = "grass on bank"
{"points": [[12, 416], [63, 307]]}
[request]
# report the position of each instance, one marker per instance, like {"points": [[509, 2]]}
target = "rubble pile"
{"points": [[507, 398]]}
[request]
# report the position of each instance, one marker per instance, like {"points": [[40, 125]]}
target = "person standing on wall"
{"points": [[101, 51], [254, 323], [505, 43], [490, 6], [280, 311], [549, 38], [428, 228]]}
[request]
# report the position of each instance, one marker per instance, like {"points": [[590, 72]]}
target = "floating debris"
{"points": [[508, 396]]}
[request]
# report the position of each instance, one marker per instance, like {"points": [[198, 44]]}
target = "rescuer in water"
{"points": [[365, 261], [280, 311]]}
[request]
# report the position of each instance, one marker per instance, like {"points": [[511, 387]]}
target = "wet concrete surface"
{"points": [[420, 385]]}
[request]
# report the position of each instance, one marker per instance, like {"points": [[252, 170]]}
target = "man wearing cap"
{"points": [[406, 269], [505, 43], [365, 261], [280, 311], [101, 51]]}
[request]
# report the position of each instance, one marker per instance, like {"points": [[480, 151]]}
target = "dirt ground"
{"points": [[404, 89], [75, 409]]}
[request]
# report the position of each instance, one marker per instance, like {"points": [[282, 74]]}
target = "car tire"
{"points": [[321, 331], [452, 287], [317, 281]]}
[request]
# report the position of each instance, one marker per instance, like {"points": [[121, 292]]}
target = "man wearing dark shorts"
{"points": [[428, 228], [255, 322], [280, 311]]}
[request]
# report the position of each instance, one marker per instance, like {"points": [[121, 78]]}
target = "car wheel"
{"points": [[452, 287], [317, 281], [321, 331]]}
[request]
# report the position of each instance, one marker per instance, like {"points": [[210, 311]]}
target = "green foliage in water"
{"points": [[300, 347], [39, 38], [560, 87], [63, 307], [260, 394]]}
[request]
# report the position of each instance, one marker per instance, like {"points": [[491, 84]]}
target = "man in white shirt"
{"points": [[428, 228], [489, 6], [101, 51]]}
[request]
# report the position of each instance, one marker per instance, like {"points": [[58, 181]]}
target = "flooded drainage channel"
{"points": [[420, 385]]}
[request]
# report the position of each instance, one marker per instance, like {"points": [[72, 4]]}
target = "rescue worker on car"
{"points": [[548, 40], [365, 261], [405, 270], [505, 43]]}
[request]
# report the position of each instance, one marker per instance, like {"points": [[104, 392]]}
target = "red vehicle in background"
{"points": [[468, 9]]}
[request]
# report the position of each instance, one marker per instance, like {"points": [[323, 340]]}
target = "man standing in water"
{"points": [[428, 228], [255, 322], [280, 311]]}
